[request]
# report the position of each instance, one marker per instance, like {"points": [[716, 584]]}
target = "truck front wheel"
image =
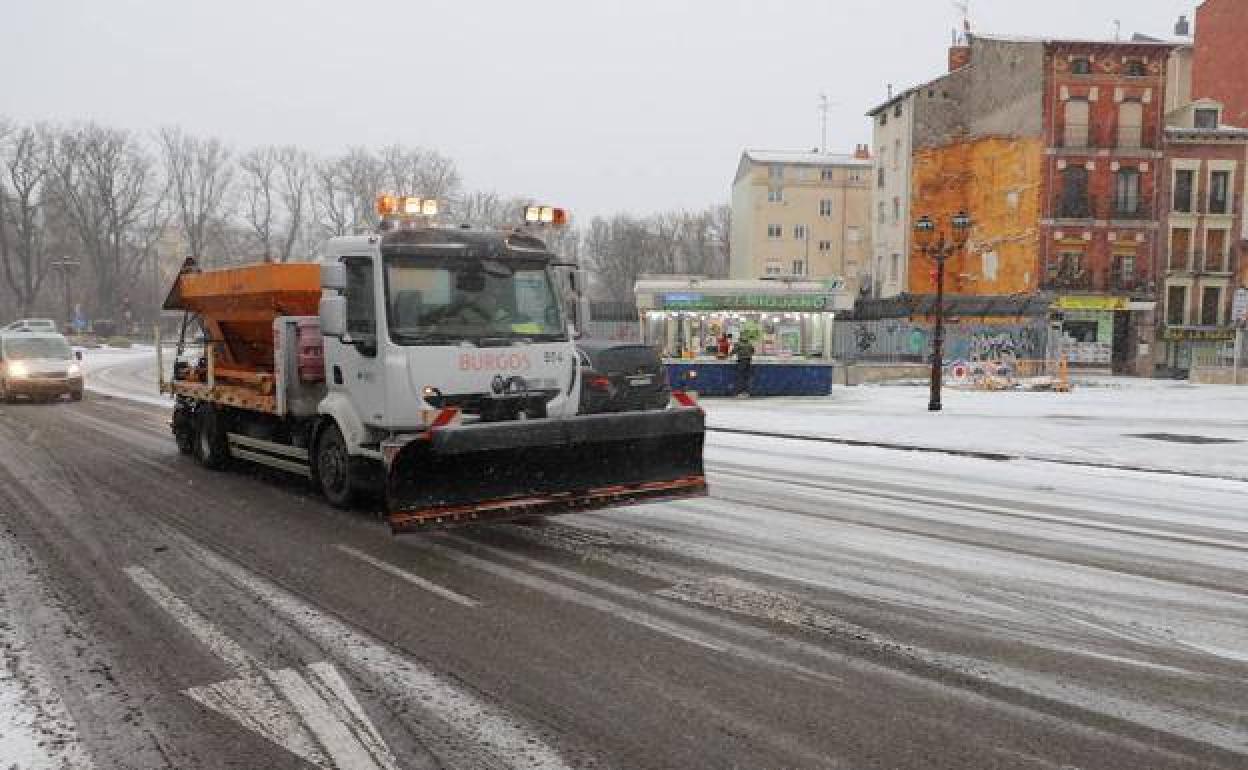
{"points": [[333, 469]]}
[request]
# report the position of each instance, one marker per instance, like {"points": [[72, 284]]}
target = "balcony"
{"points": [[1129, 282], [1081, 207], [1067, 279], [1072, 207], [1080, 138], [1124, 211], [1112, 282]]}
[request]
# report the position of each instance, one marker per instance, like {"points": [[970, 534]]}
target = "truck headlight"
{"points": [[18, 370]]}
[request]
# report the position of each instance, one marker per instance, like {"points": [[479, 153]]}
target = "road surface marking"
{"points": [[485, 734], [313, 715], [200, 627], [431, 587]]}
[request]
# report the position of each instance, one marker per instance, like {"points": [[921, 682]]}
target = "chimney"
{"points": [[862, 152], [1183, 28], [959, 56]]}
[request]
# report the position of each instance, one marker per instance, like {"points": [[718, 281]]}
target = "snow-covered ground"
{"points": [[36, 730], [128, 373], [1099, 422]]}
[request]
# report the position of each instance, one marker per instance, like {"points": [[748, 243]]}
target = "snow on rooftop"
{"points": [[805, 157]]}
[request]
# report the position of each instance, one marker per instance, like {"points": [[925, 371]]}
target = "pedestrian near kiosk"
{"points": [[744, 351], [724, 346]]}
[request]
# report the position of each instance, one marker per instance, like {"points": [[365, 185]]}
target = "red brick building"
{"points": [[1220, 65], [1104, 117]]}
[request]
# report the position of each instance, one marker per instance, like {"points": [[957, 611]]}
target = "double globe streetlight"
{"points": [[940, 246]]}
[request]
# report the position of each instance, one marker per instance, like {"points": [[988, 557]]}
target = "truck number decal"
{"points": [[494, 362]]}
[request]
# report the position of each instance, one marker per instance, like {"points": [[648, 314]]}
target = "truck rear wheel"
{"points": [[211, 446], [334, 469]]}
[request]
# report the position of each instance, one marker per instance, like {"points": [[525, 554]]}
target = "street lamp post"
{"points": [[939, 247], [66, 266]]}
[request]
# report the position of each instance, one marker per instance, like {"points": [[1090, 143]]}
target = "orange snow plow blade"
{"points": [[496, 471]]}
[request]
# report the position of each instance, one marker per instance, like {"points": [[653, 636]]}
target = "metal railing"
{"points": [[1072, 207]]}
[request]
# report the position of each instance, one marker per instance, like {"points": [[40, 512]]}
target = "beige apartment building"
{"points": [[802, 214]]}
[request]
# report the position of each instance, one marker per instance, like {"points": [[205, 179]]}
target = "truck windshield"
{"points": [[35, 347], [453, 299]]}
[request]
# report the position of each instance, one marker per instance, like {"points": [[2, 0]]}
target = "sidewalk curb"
{"points": [[978, 455]]}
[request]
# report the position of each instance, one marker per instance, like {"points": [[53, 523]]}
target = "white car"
{"points": [[38, 364], [33, 325]]}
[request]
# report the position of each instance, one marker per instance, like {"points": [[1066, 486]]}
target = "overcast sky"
{"points": [[597, 105]]}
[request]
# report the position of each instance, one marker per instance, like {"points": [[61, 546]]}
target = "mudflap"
{"points": [[490, 471]]}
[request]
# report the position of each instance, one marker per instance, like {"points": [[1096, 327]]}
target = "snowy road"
{"points": [[828, 606]]}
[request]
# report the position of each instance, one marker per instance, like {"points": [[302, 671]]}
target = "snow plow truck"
{"points": [[430, 365]]}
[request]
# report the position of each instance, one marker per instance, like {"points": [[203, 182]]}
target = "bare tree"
{"points": [[25, 156], [200, 172], [294, 171], [258, 195], [416, 171], [104, 180]]}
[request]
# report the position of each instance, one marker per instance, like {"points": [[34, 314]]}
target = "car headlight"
{"points": [[75, 370], [18, 369]]}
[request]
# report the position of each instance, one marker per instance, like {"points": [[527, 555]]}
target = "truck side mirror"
{"points": [[578, 281], [334, 316], [333, 276]]}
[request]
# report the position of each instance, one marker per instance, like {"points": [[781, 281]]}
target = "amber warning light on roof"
{"points": [[545, 215], [406, 206]]}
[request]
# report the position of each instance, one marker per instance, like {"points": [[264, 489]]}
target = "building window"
{"points": [[1184, 180], [827, 174], [1127, 193], [896, 210], [1074, 200], [894, 268], [896, 154], [825, 208], [775, 232], [799, 232], [1136, 68], [776, 172], [854, 175], [1067, 272], [854, 234], [1215, 251], [1130, 125], [1205, 117], [775, 195], [1180, 247], [1124, 272], [883, 212], [1210, 299], [1080, 66], [773, 268], [1075, 133], [1219, 189], [825, 246], [880, 182], [884, 118], [1176, 305], [897, 110], [799, 267]]}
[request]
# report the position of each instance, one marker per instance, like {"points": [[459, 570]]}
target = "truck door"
{"points": [[359, 368]]}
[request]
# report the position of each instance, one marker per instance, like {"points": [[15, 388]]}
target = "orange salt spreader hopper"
{"points": [[237, 306]]}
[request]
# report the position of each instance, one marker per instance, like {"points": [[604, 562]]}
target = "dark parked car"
{"points": [[621, 377]]}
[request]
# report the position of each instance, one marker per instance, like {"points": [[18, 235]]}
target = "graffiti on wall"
{"points": [[903, 339]]}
